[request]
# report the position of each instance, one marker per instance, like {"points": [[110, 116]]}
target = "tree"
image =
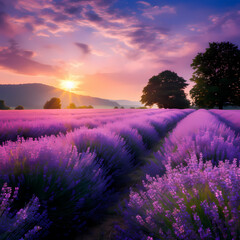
{"points": [[53, 103], [85, 107], [72, 106], [19, 107], [166, 90], [217, 76], [3, 106]]}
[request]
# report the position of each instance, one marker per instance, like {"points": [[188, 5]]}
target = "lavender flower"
{"points": [[196, 201], [205, 135], [25, 222]]}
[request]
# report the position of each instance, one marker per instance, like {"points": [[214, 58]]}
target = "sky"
{"points": [[109, 48]]}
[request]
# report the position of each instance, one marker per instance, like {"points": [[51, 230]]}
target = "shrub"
{"points": [[193, 202], [200, 133], [70, 186], [19, 107], [26, 223]]}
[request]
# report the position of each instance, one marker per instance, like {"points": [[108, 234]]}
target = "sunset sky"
{"points": [[110, 48]]}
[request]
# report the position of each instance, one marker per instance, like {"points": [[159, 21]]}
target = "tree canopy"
{"points": [[166, 90], [3, 106], [217, 76], [72, 106], [53, 103], [19, 107]]}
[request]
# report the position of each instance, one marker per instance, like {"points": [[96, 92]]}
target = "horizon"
{"points": [[108, 49], [70, 92]]}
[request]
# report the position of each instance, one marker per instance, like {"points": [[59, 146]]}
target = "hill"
{"points": [[34, 96], [128, 104]]}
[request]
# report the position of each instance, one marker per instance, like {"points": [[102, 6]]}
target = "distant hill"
{"points": [[34, 96], [128, 104]]}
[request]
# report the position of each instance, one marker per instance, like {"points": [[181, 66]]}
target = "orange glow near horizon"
{"points": [[68, 85]]}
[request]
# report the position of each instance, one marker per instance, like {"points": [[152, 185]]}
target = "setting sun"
{"points": [[68, 85]]}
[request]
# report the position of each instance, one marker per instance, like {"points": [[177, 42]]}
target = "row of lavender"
{"points": [[230, 117], [198, 197], [37, 123], [70, 179]]}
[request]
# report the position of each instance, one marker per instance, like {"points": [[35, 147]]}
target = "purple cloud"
{"points": [[85, 49], [20, 61], [101, 16], [93, 17], [151, 12]]}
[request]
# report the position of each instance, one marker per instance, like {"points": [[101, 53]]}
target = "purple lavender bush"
{"points": [[26, 223], [200, 133], [197, 201], [110, 150], [70, 186], [132, 139], [230, 117]]}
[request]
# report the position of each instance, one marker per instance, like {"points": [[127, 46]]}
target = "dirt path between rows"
{"points": [[105, 230]]}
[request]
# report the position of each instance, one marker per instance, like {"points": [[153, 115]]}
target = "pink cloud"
{"points": [[20, 61], [144, 3]]}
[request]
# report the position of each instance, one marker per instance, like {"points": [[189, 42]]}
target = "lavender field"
{"points": [[159, 173]]}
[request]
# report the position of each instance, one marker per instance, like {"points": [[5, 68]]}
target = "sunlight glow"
{"points": [[68, 85]]}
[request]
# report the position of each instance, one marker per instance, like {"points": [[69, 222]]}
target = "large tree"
{"points": [[3, 106], [166, 90], [217, 76], [53, 103]]}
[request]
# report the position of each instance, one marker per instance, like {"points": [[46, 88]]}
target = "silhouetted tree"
{"points": [[53, 103], [115, 107], [166, 90], [3, 106], [19, 107], [85, 107], [72, 106], [217, 76]]}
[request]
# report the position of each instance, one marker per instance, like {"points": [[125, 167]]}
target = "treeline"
{"points": [[3, 106], [216, 77], [55, 103]]}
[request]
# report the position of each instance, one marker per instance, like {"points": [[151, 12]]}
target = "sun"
{"points": [[68, 85]]}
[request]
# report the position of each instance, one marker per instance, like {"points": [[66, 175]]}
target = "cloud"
{"points": [[6, 28], [226, 24], [144, 3], [68, 15], [85, 49], [93, 17], [20, 61], [152, 12], [224, 27]]}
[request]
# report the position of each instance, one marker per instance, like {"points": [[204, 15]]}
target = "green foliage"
{"points": [[71, 106], [53, 103], [217, 76], [86, 107], [19, 107], [166, 90], [3, 106]]}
